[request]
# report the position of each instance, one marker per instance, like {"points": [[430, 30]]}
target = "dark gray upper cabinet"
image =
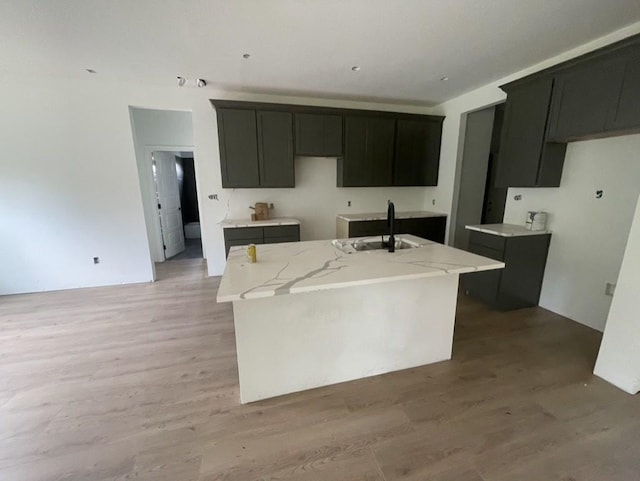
{"points": [[368, 152], [417, 152], [256, 148], [275, 152], [259, 142], [584, 98], [237, 135], [318, 135], [626, 114], [526, 158]]}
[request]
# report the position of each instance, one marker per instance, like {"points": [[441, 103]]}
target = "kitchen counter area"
{"points": [[236, 223], [308, 314], [414, 214], [506, 230]]}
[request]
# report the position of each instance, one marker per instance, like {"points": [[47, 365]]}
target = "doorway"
{"points": [[478, 201], [177, 204]]}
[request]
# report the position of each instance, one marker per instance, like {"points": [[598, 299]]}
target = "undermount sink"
{"points": [[351, 246]]}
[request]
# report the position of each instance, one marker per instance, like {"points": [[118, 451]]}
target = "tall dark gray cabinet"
{"points": [[527, 158]]}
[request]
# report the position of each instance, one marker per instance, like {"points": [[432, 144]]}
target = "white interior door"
{"points": [[169, 203]]}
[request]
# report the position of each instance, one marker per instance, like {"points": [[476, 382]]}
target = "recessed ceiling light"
{"points": [[355, 68], [90, 70], [246, 55], [444, 79], [181, 81], [201, 83]]}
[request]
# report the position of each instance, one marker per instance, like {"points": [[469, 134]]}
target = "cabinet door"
{"points": [[380, 139], [626, 115], [524, 149], [417, 152], [368, 152], [275, 133], [280, 231], [368, 228], [238, 148], [318, 135], [352, 168], [432, 228], [584, 98]]}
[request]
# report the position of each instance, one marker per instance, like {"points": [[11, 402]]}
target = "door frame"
{"points": [[155, 237], [462, 132]]}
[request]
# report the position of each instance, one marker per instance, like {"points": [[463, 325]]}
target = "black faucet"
{"points": [[391, 214]]}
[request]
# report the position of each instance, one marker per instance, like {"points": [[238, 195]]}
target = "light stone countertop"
{"points": [[383, 215], [506, 230], [298, 267], [231, 223]]}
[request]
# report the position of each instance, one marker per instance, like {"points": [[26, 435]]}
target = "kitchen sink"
{"points": [[351, 246]]}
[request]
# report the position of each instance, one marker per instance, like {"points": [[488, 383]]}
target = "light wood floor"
{"points": [[140, 383]]}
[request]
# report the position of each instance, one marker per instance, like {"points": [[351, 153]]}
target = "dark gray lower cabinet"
{"points": [[242, 236], [519, 283], [432, 228]]}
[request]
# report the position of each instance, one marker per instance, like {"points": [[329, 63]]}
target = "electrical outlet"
{"points": [[348, 203], [433, 202], [609, 289], [96, 260], [213, 196]]}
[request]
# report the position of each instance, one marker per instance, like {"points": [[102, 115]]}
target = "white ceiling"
{"points": [[303, 47]]}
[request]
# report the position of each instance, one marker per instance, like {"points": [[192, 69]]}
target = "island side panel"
{"points": [[294, 342]]}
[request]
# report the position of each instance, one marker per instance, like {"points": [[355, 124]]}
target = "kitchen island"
{"points": [[308, 314]]}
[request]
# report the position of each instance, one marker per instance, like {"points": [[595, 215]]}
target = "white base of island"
{"points": [[289, 343]]}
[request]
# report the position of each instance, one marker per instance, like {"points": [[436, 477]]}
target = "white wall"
{"points": [[589, 234], [157, 130], [619, 357], [69, 188], [316, 200]]}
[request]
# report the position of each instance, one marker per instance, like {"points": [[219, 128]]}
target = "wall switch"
{"points": [[609, 289], [96, 260]]}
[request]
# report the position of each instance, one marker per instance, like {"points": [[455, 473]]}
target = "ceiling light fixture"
{"points": [[444, 79], [355, 68], [181, 81], [246, 55], [90, 70], [201, 83]]}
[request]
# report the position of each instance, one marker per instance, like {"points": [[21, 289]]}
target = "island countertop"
{"points": [[298, 267]]}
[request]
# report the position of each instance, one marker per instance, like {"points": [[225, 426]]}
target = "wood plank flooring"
{"points": [[139, 382]]}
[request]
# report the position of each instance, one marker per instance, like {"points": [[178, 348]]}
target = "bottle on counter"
{"points": [[251, 253]]}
